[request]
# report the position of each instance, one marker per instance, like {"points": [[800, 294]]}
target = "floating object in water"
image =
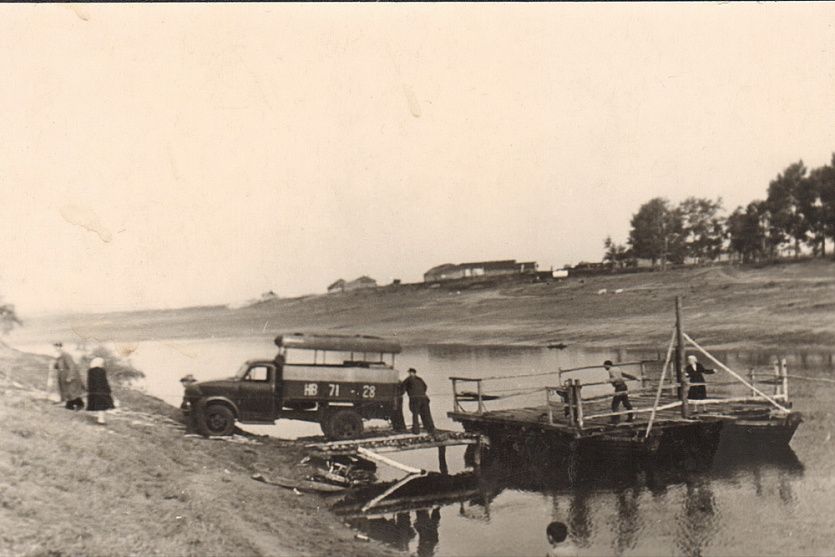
{"points": [[470, 395], [295, 485]]}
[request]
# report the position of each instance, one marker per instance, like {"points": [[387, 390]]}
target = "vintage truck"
{"points": [[335, 380]]}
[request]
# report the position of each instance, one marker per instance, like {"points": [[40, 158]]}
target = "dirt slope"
{"points": [[138, 485]]}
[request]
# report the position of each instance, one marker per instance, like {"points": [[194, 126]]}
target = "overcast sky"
{"points": [[181, 154]]}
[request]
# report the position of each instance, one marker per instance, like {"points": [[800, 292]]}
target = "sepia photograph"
{"points": [[417, 279]]}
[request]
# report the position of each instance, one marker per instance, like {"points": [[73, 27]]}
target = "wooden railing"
{"points": [[568, 399], [569, 392], [467, 395], [462, 395]]}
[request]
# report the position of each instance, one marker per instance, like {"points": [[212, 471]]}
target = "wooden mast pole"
{"points": [[681, 376]]}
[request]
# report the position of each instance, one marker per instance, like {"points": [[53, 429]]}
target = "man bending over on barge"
{"points": [[616, 378]]}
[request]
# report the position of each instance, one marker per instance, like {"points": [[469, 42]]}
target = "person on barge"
{"points": [[616, 378], [696, 374]]}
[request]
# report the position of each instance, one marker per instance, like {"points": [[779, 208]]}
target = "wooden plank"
{"points": [[362, 451], [394, 443], [392, 489], [301, 485]]}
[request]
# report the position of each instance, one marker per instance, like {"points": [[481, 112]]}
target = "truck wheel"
{"points": [[325, 424], [216, 419], [345, 424]]}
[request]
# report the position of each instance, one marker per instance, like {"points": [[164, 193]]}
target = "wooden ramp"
{"points": [[371, 449], [394, 443]]}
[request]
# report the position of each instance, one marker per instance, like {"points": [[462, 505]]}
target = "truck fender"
{"points": [[202, 403]]}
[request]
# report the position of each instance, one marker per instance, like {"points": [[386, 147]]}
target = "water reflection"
{"points": [[580, 523], [399, 530], [628, 523], [695, 519], [396, 531], [426, 524], [605, 504]]}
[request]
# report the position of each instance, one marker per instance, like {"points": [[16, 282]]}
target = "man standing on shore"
{"points": [[418, 402], [69, 380]]}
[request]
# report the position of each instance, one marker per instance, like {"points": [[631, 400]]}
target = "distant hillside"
{"points": [[783, 305]]}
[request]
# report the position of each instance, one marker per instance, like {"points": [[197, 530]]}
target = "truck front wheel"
{"points": [[344, 424], [216, 420]]}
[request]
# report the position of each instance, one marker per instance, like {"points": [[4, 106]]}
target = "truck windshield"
{"points": [[242, 371]]}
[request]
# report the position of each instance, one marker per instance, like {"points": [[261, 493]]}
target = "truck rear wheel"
{"points": [[344, 424], [216, 420], [325, 422]]}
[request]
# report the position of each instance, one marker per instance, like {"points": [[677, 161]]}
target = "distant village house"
{"points": [[356, 284], [338, 286], [449, 271], [264, 298]]}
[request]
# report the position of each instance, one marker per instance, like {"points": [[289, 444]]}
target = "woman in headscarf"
{"points": [[98, 389]]}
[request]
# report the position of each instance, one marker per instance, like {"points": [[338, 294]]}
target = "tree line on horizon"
{"points": [[798, 211]]}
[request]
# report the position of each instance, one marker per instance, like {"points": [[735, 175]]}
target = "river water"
{"points": [[779, 503]]}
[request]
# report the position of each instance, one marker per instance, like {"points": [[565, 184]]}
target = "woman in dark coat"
{"points": [[98, 389], [696, 374]]}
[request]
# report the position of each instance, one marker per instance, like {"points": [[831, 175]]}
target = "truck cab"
{"points": [[335, 380]]}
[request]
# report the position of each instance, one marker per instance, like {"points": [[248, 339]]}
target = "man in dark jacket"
{"points": [[418, 402], [695, 374]]}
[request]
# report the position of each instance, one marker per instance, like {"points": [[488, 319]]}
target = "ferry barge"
{"points": [[665, 420]]}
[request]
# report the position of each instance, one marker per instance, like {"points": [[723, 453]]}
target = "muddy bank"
{"points": [[730, 307], [138, 485]]}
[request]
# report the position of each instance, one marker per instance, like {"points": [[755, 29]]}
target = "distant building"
{"points": [[586, 266], [356, 284], [586, 269], [449, 271], [362, 282], [338, 286], [265, 297]]}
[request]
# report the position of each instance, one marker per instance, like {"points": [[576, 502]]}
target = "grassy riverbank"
{"points": [[138, 485], [786, 305]]}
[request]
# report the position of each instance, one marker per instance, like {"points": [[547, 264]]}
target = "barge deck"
{"points": [[663, 417]]}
